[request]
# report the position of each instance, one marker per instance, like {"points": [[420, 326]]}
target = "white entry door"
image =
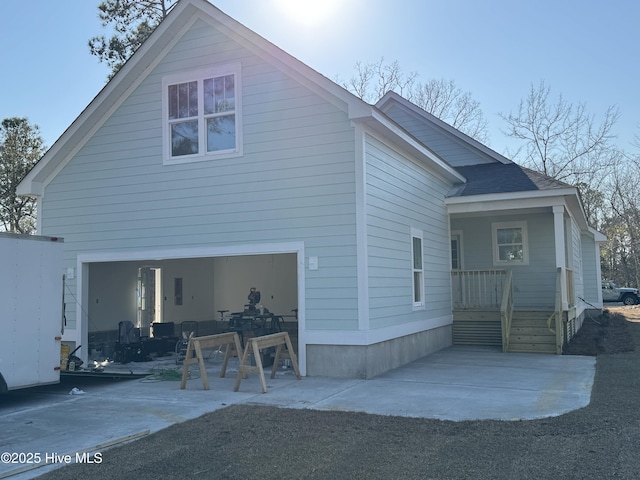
{"points": [[149, 295]]}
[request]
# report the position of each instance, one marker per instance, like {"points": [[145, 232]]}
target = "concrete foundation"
{"points": [[368, 361]]}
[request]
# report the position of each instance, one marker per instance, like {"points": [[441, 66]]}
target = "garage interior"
{"points": [[161, 299]]}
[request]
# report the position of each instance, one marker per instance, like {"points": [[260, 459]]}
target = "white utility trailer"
{"points": [[31, 310]]}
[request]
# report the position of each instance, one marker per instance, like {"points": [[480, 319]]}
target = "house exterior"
{"points": [[506, 218], [214, 162]]}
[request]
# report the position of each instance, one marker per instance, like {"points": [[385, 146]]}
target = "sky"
{"points": [[587, 51]]}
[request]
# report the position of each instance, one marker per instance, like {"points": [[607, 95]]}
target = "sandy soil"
{"points": [[254, 442]]}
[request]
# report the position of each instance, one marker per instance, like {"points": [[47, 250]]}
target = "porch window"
{"points": [[455, 255], [418, 271], [510, 244], [456, 250], [201, 113]]}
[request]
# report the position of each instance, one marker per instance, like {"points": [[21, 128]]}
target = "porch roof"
{"points": [[503, 178]]}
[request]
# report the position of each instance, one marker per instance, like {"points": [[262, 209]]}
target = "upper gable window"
{"points": [[201, 114], [510, 243]]}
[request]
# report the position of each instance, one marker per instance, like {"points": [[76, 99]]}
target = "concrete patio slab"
{"points": [[457, 384]]}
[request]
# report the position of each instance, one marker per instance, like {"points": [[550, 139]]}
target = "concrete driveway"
{"points": [[457, 383]]}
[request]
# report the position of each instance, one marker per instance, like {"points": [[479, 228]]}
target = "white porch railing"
{"points": [[571, 289], [492, 290], [478, 288], [558, 322]]}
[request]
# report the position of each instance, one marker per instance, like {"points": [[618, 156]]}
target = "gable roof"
{"points": [[499, 178], [183, 15], [392, 99], [500, 183]]}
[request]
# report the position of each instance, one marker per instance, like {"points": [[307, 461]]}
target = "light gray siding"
{"points": [[576, 262], [455, 152], [590, 271], [294, 182], [402, 195], [533, 284]]}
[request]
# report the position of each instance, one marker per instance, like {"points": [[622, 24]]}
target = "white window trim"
{"points": [[458, 233], [193, 75], [419, 305], [525, 243]]}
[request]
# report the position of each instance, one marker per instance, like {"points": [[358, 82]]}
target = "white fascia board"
{"points": [[29, 187], [576, 207], [597, 236], [112, 95], [567, 197], [470, 202], [506, 201], [462, 138], [180, 19], [379, 123], [296, 69]]}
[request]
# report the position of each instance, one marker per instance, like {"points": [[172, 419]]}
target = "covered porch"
{"points": [[530, 272], [484, 312]]}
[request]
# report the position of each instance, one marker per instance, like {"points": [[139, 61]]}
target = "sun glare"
{"points": [[308, 13]]}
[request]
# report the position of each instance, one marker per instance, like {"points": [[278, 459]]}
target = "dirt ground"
{"points": [[608, 333], [255, 442]]}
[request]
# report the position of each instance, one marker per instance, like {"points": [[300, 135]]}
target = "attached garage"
{"points": [[309, 194], [201, 285]]}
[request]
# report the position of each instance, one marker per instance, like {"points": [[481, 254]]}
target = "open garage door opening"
{"points": [[157, 300]]}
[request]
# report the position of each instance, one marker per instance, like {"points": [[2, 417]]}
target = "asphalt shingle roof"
{"points": [[503, 178]]}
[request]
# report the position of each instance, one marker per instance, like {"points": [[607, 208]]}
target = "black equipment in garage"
{"points": [[131, 347], [255, 320]]}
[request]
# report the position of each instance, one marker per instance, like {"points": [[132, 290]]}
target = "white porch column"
{"points": [[559, 234]]}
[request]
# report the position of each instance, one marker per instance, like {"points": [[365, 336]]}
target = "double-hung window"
{"points": [[417, 268], [201, 112], [510, 243]]}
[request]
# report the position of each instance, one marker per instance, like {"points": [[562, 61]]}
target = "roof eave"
{"points": [[522, 199], [382, 124], [107, 100], [519, 195], [393, 97], [598, 236], [146, 58]]}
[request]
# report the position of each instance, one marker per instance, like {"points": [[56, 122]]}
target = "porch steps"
{"points": [[530, 333], [477, 327]]}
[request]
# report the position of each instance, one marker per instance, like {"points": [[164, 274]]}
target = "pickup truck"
{"points": [[612, 293]]}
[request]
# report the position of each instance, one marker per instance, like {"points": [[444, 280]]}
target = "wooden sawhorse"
{"points": [[254, 345], [230, 340]]}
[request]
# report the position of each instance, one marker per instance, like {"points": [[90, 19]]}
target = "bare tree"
{"points": [[450, 103], [562, 140], [441, 98], [636, 139], [595, 205], [372, 80], [622, 227]]}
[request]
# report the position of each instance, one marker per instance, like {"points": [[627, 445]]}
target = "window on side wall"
{"points": [[417, 268], [201, 114], [510, 243]]}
